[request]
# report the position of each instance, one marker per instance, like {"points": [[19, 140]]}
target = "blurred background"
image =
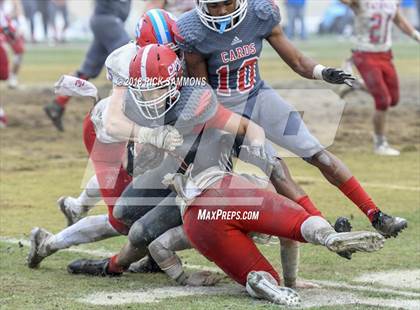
{"points": [[55, 21]]}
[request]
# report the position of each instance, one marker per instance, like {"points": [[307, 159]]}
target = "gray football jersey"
{"points": [[232, 57]]}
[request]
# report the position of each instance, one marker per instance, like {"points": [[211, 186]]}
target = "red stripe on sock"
{"points": [[113, 266], [355, 192], [309, 206], [62, 100]]}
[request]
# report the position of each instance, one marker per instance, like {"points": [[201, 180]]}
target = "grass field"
{"points": [[38, 165]]}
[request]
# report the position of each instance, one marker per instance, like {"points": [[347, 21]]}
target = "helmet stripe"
{"points": [[144, 61], [166, 27], [158, 26]]}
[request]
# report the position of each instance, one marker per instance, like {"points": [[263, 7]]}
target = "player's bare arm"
{"points": [[117, 124], [302, 64], [405, 26]]}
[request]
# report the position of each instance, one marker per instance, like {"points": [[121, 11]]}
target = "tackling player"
{"points": [[107, 24], [373, 56], [222, 41]]}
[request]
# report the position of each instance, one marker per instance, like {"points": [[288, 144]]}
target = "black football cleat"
{"points": [[92, 267], [388, 226], [342, 224], [55, 113]]}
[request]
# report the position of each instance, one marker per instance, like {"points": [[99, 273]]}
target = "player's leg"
{"points": [[91, 67], [87, 230], [163, 249], [371, 67], [4, 75], [75, 209], [110, 31], [18, 46], [284, 126]]}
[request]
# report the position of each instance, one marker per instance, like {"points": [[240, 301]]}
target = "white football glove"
{"points": [[164, 137]]}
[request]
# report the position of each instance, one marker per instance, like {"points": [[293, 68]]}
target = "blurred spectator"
{"points": [[46, 8], [338, 18], [296, 12], [60, 6], [29, 8]]}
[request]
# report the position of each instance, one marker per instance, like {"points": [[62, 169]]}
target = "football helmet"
{"points": [[155, 73], [156, 26], [224, 23]]}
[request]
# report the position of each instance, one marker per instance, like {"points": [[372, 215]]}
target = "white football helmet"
{"points": [[221, 23]]}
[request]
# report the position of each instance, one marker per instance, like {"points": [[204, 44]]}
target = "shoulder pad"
{"points": [[118, 63], [189, 31], [266, 10]]}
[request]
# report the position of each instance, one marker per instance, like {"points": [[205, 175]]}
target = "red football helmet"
{"points": [[156, 26], [155, 73]]}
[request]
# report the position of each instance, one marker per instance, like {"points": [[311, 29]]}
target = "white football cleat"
{"points": [[71, 215], [262, 285], [13, 81], [356, 241], [38, 251], [385, 150]]}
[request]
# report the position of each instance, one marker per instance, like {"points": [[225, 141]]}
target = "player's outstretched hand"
{"points": [[337, 76]]}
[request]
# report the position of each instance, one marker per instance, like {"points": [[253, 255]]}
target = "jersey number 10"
{"points": [[245, 79]]}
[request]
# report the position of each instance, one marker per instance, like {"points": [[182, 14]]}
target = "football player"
{"points": [[222, 42], [372, 56], [155, 26], [105, 153], [192, 111], [107, 24]]}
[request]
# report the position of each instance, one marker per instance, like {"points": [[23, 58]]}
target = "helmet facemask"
{"points": [[224, 23], [153, 99]]}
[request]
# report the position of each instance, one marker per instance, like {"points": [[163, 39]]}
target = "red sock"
{"points": [[308, 205], [62, 100], [113, 265], [355, 192]]}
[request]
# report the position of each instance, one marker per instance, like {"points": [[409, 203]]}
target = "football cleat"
{"points": [[55, 114], [71, 215], [92, 267], [38, 251], [12, 81], [262, 285], [342, 224], [146, 265], [385, 150], [358, 241], [388, 226]]}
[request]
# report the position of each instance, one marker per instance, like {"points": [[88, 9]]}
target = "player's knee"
{"points": [[140, 236], [382, 102], [121, 211]]}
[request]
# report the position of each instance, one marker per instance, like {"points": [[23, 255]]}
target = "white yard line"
{"points": [[329, 295]]}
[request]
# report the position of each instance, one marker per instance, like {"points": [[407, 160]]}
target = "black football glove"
{"points": [[337, 76]]}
